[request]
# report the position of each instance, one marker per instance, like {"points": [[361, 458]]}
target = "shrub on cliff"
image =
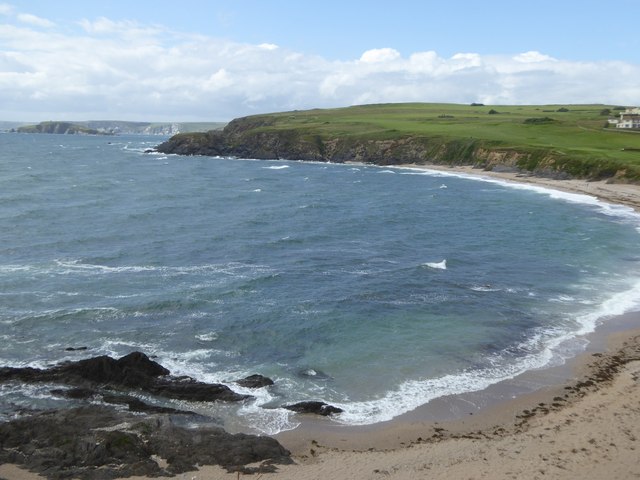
{"points": [[539, 121]]}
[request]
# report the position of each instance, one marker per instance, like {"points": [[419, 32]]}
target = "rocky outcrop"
{"points": [[132, 372], [315, 408], [98, 442], [106, 441], [255, 381]]}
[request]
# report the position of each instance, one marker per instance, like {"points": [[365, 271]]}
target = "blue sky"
{"points": [[214, 60]]}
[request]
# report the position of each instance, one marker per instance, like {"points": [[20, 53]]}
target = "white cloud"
{"points": [[533, 57], [127, 70], [379, 55], [6, 9], [34, 20], [268, 46]]}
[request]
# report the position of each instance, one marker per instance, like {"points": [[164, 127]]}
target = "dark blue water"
{"points": [[373, 289]]}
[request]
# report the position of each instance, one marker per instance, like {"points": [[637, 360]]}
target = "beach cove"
{"points": [[570, 426], [564, 429], [578, 421]]}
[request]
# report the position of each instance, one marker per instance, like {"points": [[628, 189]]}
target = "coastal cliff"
{"points": [[66, 128], [420, 134], [291, 145]]}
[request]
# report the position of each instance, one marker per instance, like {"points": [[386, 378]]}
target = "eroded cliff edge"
{"points": [[301, 136]]}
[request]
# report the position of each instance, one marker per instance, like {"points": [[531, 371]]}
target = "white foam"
{"points": [[412, 394], [276, 167], [563, 299], [611, 209], [549, 347], [65, 267], [437, 265], [15, 268], [267, 421], [620, 303], [208, 337], [484, 288], [258, 415]]}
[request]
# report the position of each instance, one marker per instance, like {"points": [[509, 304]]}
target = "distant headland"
{"points": [[66, 128], [557, 141], [115, 127]]}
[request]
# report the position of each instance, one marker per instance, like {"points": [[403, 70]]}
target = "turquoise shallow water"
{"points": [[370, 288]]}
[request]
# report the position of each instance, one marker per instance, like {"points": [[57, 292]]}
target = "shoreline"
{"points": [[614, 193], [497, 406], [568, 421], [587, 427]]}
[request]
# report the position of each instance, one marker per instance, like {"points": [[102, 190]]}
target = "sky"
{"points": [[198, 60]]}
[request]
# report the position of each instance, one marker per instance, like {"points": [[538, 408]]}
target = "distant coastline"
{"points": [[113, 127], [66, 128]]}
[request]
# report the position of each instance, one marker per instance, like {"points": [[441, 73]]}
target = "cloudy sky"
{"points": [[191, 60]]}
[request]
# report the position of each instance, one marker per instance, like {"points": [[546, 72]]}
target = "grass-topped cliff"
{"points": [[60, 128], [551, 140]]}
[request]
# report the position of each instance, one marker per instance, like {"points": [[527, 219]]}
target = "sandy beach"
{"points": [[620, 193], [581, 420]]}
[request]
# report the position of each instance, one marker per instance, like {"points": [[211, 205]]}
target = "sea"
{"points": [[374, 289]]}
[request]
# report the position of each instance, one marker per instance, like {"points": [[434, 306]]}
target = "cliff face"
{"points": [[261, 137], [240, 139]]}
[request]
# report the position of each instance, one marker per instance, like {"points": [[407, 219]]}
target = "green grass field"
{"points": [[574, 132]]}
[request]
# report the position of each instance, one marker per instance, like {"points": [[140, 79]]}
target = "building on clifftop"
{"points": [[630, 118]]}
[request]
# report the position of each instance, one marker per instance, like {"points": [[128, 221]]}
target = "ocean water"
{"points": [[372, 289]]}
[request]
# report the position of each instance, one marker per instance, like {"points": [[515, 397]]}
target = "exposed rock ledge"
{"points": [[134, 372], [99, 442], [103, 442]]}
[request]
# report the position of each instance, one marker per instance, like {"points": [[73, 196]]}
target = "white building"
{"points": [[630, 118]]}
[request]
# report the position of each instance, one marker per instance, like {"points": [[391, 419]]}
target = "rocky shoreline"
{"points": [[269, 137], [243, 138], [113, 433]]}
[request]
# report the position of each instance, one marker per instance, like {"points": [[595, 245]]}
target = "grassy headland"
{"points": [[551, 140], [60, 128]]}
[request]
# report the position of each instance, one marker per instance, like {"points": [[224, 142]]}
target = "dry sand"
{"points": [[587, 427]]}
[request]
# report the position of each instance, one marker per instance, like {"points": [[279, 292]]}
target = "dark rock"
{"points": [[255, 381], [134, 371], [74, 393], [24, 374], [97, 442], [215, 446], [196, 391], [75, 349], [137, 405], [316, 408]]}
